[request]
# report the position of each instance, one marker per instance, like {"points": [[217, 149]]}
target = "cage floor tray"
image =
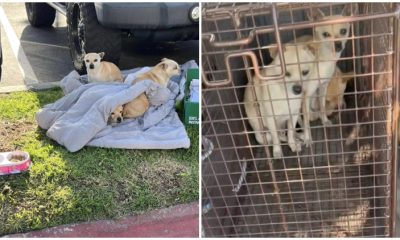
{"points": [[14, 162]]}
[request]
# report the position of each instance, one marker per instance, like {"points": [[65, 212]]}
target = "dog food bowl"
{"points": [[14, 162]]}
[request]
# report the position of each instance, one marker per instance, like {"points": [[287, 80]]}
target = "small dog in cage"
{"points": [[334, 95], [280, 101], [329, 40]]}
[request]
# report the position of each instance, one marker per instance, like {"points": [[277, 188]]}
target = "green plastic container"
{"points": [[191, 109]]}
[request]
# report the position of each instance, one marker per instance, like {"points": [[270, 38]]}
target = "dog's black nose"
{"points": [[297, 89], [338, 46], [91, 66], [119, 119]]}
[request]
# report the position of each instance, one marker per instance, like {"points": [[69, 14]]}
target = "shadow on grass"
{"points": [[93, 183]]}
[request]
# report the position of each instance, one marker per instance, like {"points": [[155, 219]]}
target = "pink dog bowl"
{"points": [[14, 162]]}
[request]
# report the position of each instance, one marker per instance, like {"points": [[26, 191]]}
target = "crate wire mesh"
{"points": [[343, 185]]}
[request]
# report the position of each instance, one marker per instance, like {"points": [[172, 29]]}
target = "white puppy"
{"points": [[328, 52], [279, 101], [98, 71]]}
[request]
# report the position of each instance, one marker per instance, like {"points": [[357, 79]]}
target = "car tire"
{"points": [[86, 34], [40, 14]]}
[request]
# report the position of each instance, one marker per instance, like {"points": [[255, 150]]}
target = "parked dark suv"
{"points": [[1, 59], [99, 27]]}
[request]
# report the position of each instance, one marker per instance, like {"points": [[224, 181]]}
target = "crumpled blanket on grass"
{"points": [[80, 117]]}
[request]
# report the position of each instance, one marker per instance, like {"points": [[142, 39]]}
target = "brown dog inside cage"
{"points": [[339, 185]]}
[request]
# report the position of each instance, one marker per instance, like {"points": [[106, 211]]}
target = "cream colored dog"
{"points": [[279, 101], [329, 42], [98, 71], [161, 73]]}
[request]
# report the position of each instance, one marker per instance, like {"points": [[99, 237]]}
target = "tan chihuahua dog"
{"points": [[161, 73], [98, 71], [116, 115]]}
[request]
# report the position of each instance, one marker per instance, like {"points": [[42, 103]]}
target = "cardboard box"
{"points": [[191, 109]]}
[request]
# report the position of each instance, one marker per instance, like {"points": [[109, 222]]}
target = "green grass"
{"points": [[94, 183]]}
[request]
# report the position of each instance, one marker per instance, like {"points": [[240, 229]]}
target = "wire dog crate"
{"points": [[344, 183]]}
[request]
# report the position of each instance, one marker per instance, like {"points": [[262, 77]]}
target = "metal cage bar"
{"points": [[344, 184]]}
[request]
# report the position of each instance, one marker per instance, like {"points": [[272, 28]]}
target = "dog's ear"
{"points": [[164, 66], [312, 47], [274, 50], [102, 55], [315, 14]]}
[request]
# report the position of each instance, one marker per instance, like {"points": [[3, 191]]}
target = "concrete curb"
{"points": [[37, 86], [177, 221]]}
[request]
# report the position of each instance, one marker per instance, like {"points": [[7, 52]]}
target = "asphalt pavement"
{"points": [[40, 56]]}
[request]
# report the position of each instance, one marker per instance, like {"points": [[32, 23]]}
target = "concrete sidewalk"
{"points": [[177, 221]]}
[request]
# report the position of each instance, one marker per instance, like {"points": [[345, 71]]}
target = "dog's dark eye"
{"points": [[305, 72], [87, 61], [287, 74], [343, 31], [326, 34], [112, 114], [95, 60]]}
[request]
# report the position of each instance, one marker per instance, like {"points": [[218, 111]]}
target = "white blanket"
{"points": [[80, 117]]}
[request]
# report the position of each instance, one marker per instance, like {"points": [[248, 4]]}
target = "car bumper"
{"points": [[134, 16]]}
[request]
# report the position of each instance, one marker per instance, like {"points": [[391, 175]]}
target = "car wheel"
{"points": [[86, 34], [40, 14]]}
